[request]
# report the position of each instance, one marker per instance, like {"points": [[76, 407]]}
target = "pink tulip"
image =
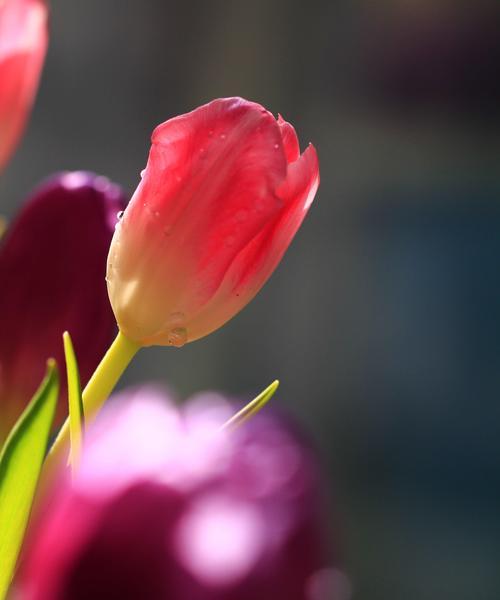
{"points": [[167, 507], [23, 43], [52, 267], [222, 196]]}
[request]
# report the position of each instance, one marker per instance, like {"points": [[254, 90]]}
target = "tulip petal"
{"points": [[52, 268], [290, 140], [23, 44], [262, 255], [256, 262]]}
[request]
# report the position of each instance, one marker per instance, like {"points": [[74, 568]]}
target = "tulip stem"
{"points": [[97, 390]]}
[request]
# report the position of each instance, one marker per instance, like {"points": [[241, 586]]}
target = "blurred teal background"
{"points": [[383, 322]]}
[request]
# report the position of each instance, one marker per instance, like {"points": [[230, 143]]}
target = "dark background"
{"points": [[383, 321]]}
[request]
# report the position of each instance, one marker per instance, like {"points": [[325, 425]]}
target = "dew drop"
{"points": [[143, 172], [210, 133], [177, 337], [176, 319], [276, 146], [157, 213], [119, 215], [222, 136], [167, 230]]}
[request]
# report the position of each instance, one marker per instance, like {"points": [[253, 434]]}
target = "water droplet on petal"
{"points": [[276, 146], [143, 172], [157, 213], [177, 337], [176, 319], [222, 136], [119, 215]]}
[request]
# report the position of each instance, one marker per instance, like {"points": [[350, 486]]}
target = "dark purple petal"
{"points": [[52, 270]]}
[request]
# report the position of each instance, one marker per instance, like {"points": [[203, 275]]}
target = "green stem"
{"points": [[97, 390]]}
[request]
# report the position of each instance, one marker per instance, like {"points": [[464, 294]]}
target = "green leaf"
{"points": [[20, 465], [251, 408], [75, 403]]}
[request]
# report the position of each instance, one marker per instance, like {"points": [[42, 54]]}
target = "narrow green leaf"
{"points": [[20, 465], [75, 403], [251, 408]]}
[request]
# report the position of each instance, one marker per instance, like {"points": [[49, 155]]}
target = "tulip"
{"points": [[223, 193], [52, 266], [23, 44], [164, 506]]}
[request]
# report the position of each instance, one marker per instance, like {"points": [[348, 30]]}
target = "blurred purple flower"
{"points": [[165, 506], [52, 269]]}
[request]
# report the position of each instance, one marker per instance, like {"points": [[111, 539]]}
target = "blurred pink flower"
{"points": [[165, 506], [52, 268], [23, 43]]}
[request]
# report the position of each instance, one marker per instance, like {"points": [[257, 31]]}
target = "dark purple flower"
{"points": [[165, 506], [52, 270]]}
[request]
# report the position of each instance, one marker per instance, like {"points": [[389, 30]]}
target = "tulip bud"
{"points": [[23, 43], [52, 267], [223, 193], [166, 506]]}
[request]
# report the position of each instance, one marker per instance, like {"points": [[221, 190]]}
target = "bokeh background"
{"points": [[383, 322]]}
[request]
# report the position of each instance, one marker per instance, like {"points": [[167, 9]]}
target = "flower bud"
{"points": [[52, 268], [223, 193], [23, 43]]}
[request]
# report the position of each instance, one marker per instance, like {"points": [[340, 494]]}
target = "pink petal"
{"points": [[23, 43], [290, 140], [256, 262]]}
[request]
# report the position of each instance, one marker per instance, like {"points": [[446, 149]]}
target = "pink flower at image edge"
{"points": [[23, 44]]}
